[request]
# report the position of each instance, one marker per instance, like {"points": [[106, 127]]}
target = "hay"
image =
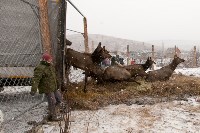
{"points": [[97, 96]]}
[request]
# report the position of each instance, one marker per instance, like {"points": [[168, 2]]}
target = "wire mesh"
{"points": [[20, 43], [21, 49]]}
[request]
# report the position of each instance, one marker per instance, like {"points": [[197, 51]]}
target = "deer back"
{"points": [[78, 60], [116, 73]]}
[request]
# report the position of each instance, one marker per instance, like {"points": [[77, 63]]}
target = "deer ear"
{"points": [[104, 48], [99, 44]]}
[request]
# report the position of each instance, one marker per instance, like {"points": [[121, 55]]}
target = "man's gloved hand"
{"points": [[32, 93]]}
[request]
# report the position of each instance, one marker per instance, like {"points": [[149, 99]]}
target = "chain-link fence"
{"points": [[21, 49]]}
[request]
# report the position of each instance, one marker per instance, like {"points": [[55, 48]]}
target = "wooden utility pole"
{"points": [[153, 56], [92, 46], [175, 52], [86, 35], [195, 56], [162, 58], [128, 55], [44, 26]]}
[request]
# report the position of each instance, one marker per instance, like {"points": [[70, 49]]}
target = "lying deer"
{"points": [[116, 73], [126, 73], [139, 69], [165, 72], [89, 62]]}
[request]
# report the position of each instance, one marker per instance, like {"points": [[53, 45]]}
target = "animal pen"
{"points": [[28, 28]]}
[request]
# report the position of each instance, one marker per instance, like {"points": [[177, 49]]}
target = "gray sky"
{"points": [[141, 20]]}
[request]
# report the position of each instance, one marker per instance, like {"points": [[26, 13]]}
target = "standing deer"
{"points": [[165, 72], [89, 62]]}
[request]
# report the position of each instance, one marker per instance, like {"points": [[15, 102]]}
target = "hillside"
{"points": [[111, 43]]}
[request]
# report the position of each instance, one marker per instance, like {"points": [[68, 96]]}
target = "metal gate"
{"points": [[21, 49]]}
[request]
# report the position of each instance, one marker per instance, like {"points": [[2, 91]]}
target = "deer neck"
{"points": [[96, 59], [173, 65], [145, 66]]}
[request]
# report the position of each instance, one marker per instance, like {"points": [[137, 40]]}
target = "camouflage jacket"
{"points": [[44, 78]]}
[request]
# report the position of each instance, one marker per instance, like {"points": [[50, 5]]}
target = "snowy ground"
{"points": [[15, 101], [169, 117], [175, 116]]}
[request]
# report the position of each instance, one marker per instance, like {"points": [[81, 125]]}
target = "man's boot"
{"points": [[52, 113]]}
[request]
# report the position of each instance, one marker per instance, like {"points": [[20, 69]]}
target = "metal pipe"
{"points": [[75, 7]]}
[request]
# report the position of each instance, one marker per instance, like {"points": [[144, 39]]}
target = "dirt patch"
{"points": [[179, 87]]}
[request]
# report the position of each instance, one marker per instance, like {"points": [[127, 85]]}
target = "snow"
{"points": [[167, 117], [16, 89], [174, 116], [76, 75], [189, 71], [1, 117]]}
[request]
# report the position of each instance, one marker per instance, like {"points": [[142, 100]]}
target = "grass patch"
{"points": [[100, 95]]}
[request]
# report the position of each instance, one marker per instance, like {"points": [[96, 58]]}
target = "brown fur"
{"points": [[67, 42], [139, 69], [116, 73], [125, 73], [165, 72], [87, 61]]}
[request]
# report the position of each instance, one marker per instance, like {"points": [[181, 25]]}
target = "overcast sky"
{"points": [[141, 20]]}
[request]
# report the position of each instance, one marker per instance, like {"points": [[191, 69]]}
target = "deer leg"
{"points": [[84, 89], [1, 87], [67, 72]]}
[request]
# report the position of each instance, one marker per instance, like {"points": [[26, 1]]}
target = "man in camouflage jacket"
{"points": [[44, 80]]}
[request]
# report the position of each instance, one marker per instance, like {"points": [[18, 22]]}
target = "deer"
{"points": [[126, 73], [139, 69], [89, 62], [164, 73], [115, 73]]}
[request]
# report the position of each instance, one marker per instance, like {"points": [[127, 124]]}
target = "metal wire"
{"points": [[75, 31]]}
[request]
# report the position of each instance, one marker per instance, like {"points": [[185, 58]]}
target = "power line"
{"points": [[75, 31]]}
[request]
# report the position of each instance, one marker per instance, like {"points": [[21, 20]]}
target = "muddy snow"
{"points": [[173, 116], [18, 107], [176, 116]]}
